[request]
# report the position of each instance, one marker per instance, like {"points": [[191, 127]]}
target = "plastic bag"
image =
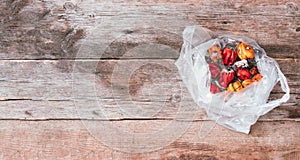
{"points": [[234, 110]]}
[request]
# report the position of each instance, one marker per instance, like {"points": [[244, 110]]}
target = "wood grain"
{"points": [[65, 139], [49, 89], [53, 29]]}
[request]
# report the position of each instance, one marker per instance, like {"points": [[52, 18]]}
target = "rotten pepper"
{"points": [[226, 76], [232, 68]]}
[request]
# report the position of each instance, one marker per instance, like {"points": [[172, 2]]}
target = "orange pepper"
{"points": [[247, 82], [257, 77], [245, 51]]}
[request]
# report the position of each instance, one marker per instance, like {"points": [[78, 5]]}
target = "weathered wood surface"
{"points": [[64, 139], [128, 49], [50, 29], [45, 89]]}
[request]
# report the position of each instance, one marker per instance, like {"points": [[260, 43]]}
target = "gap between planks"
{"points": [[134, 119]]}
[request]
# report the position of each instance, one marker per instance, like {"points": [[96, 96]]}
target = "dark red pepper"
{"points": [[214, 89], [254, 70], [229, 56], [243, 74], [214, 70], [226, 76]]}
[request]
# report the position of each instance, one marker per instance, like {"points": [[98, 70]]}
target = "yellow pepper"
{"points": [[245, 51], [235, 86]]}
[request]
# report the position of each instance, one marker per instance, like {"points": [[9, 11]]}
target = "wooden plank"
{"points": [[120, 109], [48, 90], [57, 76], [53, 29], [66, 139]]}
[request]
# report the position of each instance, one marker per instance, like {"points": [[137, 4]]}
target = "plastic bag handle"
{"points": [[195, 35], [284, 87]]}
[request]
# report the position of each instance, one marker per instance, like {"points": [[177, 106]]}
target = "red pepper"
{"points": [[243, 74], [214, 89], [214, 70], [226, 77], [229, 56], [254, 70]]}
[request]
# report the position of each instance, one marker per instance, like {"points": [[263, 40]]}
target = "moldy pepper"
{"points": [[228, 73], [241, 64], [215, 53]]}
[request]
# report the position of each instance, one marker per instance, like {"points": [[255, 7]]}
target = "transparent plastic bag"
{"points": [[234, 110]]}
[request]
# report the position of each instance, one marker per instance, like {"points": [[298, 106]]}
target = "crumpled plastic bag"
{"points": [[234, 110]]}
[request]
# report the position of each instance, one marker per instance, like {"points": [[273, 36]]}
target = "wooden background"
{"points": [[47, 113]]}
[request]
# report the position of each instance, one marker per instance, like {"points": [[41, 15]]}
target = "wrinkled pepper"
{"points": [[215, 53], [245, 51], [214, 70], [243, 74], [257, 77], [235, 86], [254, 70], [247, 82], [226, 76], [229, 56], [241, 64], [214, 89]]}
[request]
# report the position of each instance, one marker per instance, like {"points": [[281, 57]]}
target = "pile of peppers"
{"points": [[232, 68]]}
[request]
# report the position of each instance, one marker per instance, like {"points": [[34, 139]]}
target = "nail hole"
{"points": [[128, 31], [225, 22], [28, 113], [298, 29]]}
